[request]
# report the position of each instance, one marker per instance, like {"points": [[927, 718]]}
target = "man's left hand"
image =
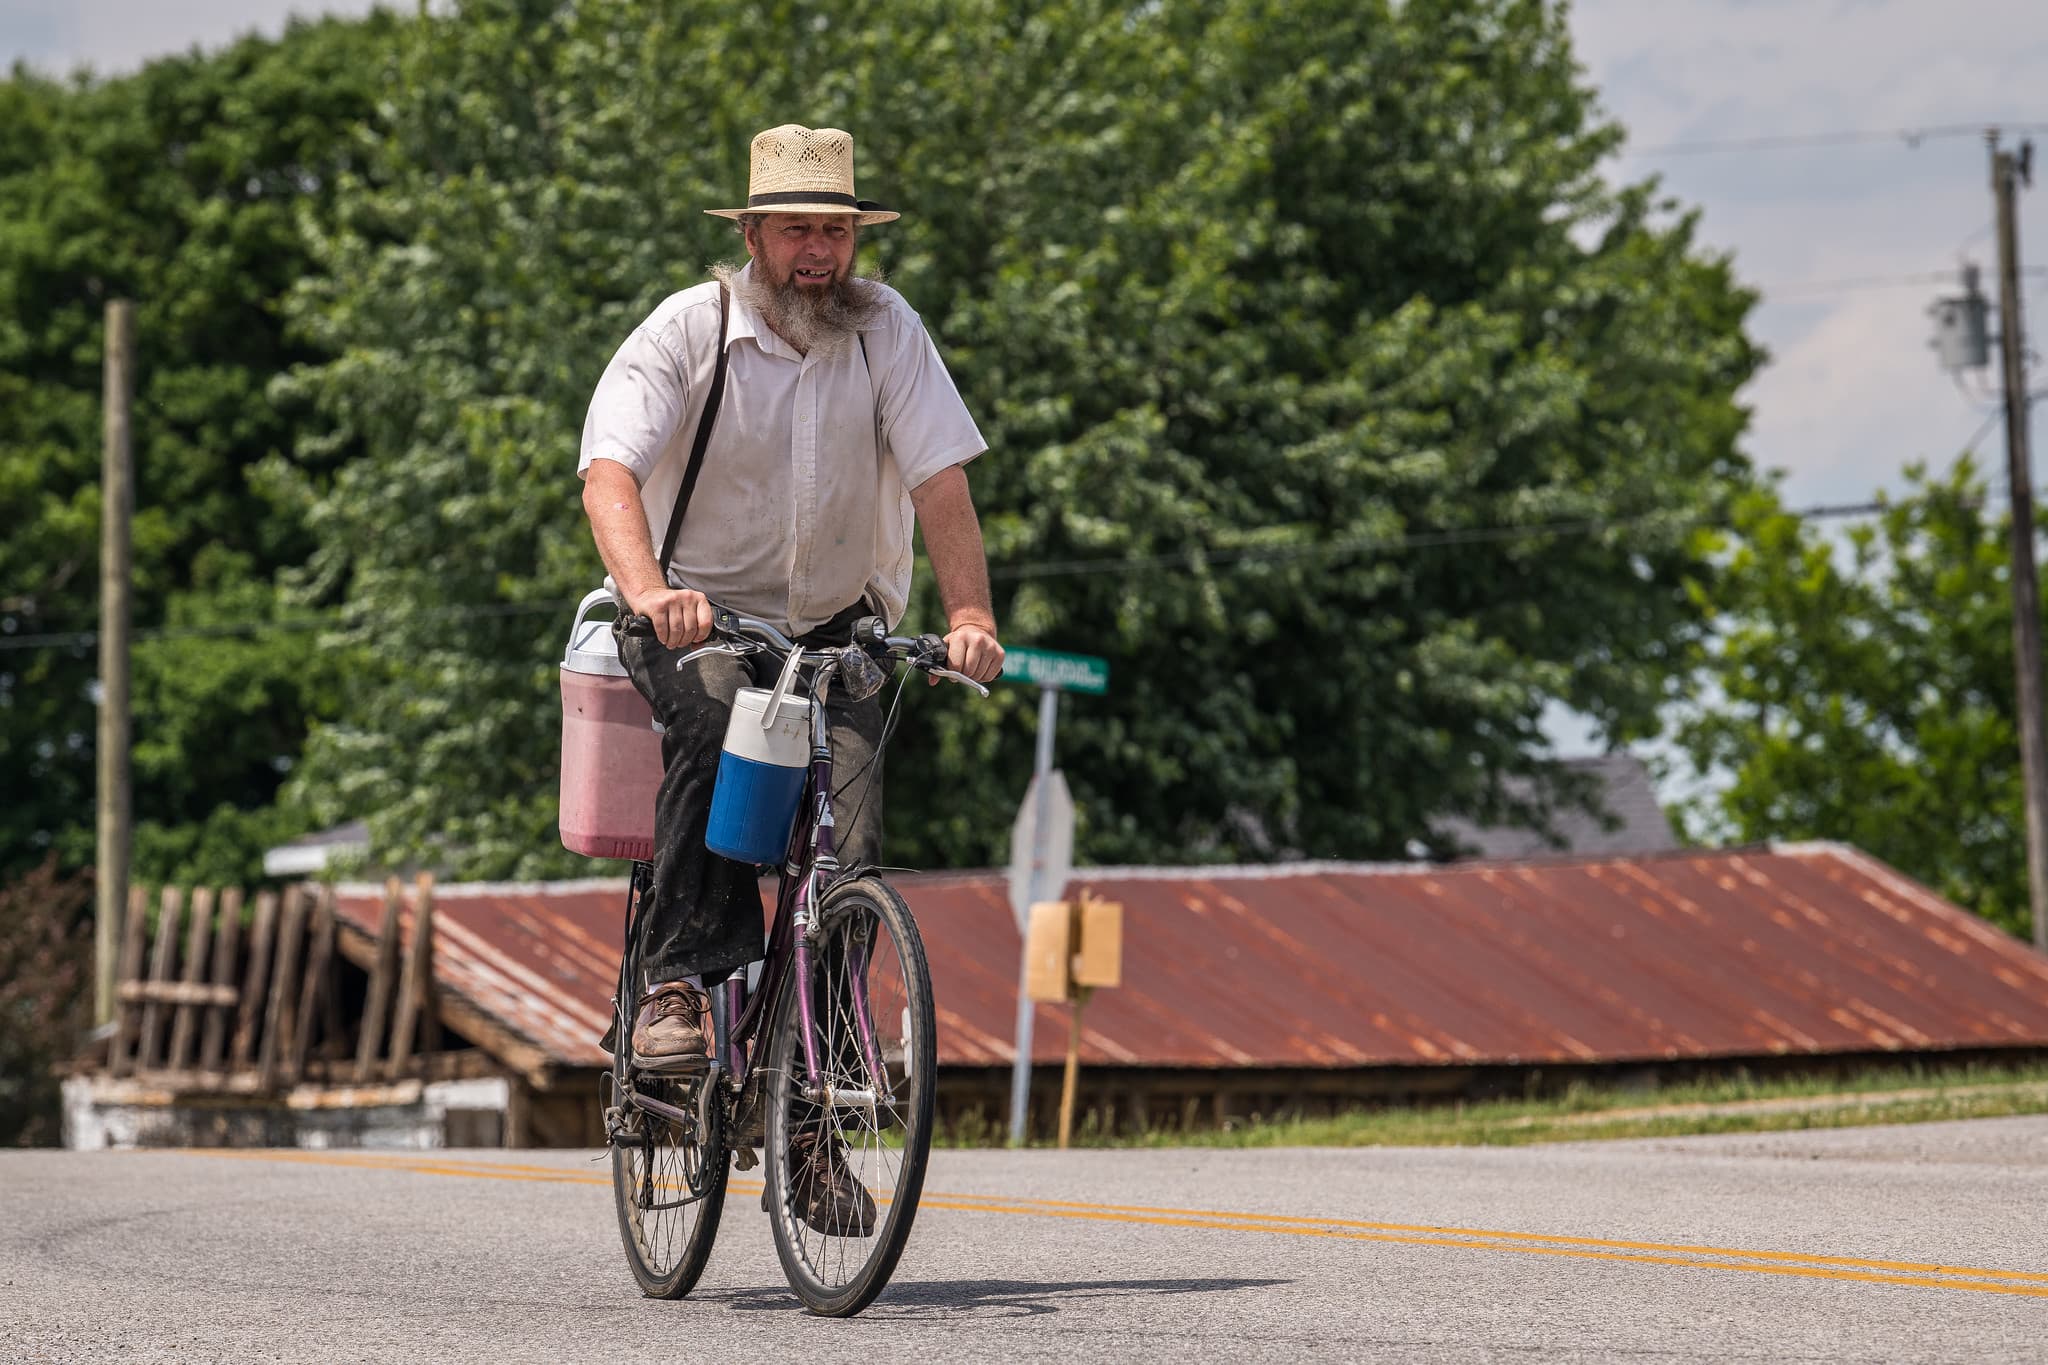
{"points": [[973, 650]]}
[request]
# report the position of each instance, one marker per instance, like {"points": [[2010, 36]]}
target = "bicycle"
{"points": [[837, 1041]]}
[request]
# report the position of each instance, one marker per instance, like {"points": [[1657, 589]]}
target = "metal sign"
{"points": [[1050, 668], [1041, 860]]}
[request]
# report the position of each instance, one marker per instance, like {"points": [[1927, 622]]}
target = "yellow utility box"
{"points": [[1073, 947], [1098, 959], [1047, 948]]}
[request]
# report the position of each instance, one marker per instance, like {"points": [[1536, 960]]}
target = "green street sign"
{"points": [[1049, 668]]}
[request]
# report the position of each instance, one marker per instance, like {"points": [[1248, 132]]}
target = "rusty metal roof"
{"points": [[1812, 948], [540, 958]]}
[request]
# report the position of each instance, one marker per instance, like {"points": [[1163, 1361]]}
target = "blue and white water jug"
{"points": [[761, 771]]}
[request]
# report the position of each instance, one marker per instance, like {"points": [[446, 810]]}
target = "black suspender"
{"points": [[704, 423]]}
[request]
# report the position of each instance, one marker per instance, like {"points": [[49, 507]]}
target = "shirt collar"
{"points": [[745, 322]]}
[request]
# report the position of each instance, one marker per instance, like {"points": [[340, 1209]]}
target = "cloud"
{"points": [[1859, 395], [1853, 393]]}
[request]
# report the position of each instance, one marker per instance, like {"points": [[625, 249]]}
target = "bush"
{"points": [[45, 996]]}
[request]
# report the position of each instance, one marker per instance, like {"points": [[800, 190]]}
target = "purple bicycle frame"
{"points": [[813, 845]]}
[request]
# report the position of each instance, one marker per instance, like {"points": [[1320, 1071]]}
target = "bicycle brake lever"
{"points": [[721, 647], [951, 676]]}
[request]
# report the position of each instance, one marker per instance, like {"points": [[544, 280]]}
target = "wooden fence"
{"points": [[223, 1012]]}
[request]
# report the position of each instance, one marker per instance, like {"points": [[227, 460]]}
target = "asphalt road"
{"points": [[1878, 1244]]}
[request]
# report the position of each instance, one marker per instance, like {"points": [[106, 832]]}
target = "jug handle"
{"points": [[591, 599], [771, 712]]}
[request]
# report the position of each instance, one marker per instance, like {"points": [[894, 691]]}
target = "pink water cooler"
{"points": [[611, 746]]}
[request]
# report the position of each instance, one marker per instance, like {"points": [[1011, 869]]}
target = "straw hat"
{"points": [[805, 170]]}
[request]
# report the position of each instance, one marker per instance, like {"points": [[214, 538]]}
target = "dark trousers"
{"points": [[703, 915]]}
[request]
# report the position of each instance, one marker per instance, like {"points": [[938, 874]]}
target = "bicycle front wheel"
{"points": [[846, 1155]]}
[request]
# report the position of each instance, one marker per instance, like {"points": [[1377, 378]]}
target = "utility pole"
{"points": [[117, 510], [2009, 171]]}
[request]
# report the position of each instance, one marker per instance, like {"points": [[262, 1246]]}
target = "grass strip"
{"points": [[1733, 1104]]}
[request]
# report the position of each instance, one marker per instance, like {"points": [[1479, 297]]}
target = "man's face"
{"points": [[814, 249]]}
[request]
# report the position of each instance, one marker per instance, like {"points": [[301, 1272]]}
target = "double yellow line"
{"points": [[1970, 1279]]}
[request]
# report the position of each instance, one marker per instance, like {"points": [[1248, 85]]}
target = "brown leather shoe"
{"points": [[823, 1188], [668, 1034]]}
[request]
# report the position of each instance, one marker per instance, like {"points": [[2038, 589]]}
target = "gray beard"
{"points": [[820, 321]]}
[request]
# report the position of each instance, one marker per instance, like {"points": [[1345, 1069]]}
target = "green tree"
{"points": [[182, 187], [1862, 690], [45, 996], [1305, 285]]}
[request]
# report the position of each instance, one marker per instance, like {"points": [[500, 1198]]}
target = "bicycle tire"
{"points": [[894, 1140], [667, 1248]]}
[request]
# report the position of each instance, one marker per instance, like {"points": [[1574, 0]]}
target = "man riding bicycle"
{"points": [[833, 427]]}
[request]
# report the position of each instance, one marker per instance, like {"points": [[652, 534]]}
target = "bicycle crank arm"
{"points": [[667, 1111]]}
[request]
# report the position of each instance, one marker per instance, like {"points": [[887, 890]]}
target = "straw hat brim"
{"points": [[867, 218]]}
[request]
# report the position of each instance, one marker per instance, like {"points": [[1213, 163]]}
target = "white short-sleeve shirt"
{"points": [[802, 506]]}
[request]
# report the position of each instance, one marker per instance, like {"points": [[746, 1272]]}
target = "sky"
{"points": [[1852, 393]]}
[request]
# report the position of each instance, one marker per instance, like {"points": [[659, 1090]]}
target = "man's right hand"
{"points": [[681, 616]]}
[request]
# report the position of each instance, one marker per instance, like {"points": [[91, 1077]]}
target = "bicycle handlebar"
{"points": [[926, 653]]}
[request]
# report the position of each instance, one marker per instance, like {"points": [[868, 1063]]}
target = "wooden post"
{"points": [[226, 938], [277, 1020], [518, 1113], [2007, 172], [1073, 1076], [382, 977], [249, 1015], [162, 955], [333, 1027], [185, 1023], [117, 512], [428, 1035], [122, 1059], [412, 989], [319, 958]]}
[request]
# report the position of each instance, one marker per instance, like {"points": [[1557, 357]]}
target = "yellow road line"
{"points": [[1288, 1222], [1465, 1242], [1926, 1274]]}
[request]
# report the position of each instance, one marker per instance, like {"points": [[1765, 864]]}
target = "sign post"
{"points": [[1042, 839], [1072, 948]]}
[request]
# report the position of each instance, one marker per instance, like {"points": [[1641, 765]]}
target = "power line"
{"points": [[1923, 279], [1911, 137], [1070, 568], [1991, 419], [328, 620], [1471, 535]]}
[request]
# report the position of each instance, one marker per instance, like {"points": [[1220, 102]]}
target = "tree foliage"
{"points": [[181, 187], [45, 996], [1863, 691], [1254, 302], [1274, 316]]}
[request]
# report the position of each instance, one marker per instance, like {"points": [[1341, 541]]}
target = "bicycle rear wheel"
{"points": [[668, 1180], [876, 1052]]}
